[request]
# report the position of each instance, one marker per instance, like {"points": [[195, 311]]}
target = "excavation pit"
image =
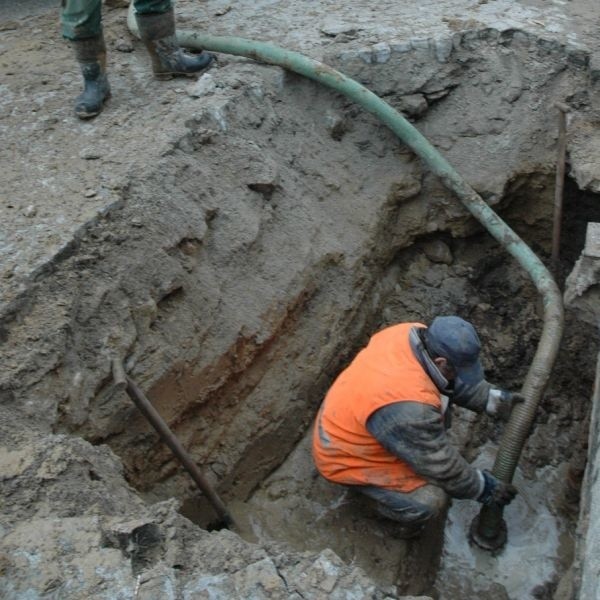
{"points": [[263, 231], [441, 274]]}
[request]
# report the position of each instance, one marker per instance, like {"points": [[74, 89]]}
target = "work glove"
{"points": [[495, 491], [500, 403]]}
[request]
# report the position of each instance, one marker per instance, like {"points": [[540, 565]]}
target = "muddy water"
{"points": [[537, 543], [297, 508]]}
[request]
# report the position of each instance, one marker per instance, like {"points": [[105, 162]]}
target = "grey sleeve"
{"points": [[472, 397], [414, 432]]}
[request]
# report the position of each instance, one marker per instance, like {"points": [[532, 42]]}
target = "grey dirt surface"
{"points": [[234, 239], [78, 169]]}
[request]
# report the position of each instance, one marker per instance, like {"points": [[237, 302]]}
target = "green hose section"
{"points": [[519, 425]]}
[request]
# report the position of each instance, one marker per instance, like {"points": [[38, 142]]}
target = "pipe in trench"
{"points": [[144, 405], [489, 530], [563, 109]]}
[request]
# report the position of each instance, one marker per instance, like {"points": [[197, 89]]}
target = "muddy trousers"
{"points": [[82, 19], [412, 508]]}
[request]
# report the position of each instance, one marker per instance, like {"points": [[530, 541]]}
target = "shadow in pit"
{"points": [[299, 509]]}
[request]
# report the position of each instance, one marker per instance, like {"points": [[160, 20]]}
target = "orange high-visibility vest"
{"points": [[384, 372]]}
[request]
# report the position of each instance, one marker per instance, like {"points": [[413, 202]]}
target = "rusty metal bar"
{"points": [[560, 183], [168, 437], [118, 372]]}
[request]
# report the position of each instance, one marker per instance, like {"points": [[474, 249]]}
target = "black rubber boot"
{"points": [[91, 55], [168, 58]]}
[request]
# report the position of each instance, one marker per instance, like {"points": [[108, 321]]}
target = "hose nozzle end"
{"points": [[490, 541]]}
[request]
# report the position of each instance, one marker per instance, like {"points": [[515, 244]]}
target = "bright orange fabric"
{"points": [[384, 372]]}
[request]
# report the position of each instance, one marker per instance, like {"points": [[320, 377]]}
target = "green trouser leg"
{"points": [[157, 31], [82, 19], [146, 7]]}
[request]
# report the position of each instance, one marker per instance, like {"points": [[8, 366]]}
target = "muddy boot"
{"points": [[168, 59], [91, 55]]}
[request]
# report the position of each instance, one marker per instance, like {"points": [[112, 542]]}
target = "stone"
{"points": [[400, 47], [9, 25], [90, 154], [203, 87], [438, 251], [30, 211], [512, 94], [366, 55], [420, 43], [335, 28], [14, 462], [590, 512], [348, 55], [336, 125], [592, 240], [381, 52], [443, 49], [413, 105], [222, 11], [123, 45]]}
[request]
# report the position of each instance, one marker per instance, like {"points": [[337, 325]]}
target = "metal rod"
{"points": [[169, 438], [118, 372], [560, 183]]}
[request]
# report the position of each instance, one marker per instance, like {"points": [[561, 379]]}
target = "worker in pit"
{"points": [[381, 428], [82, 24]]}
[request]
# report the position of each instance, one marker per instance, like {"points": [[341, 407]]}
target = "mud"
{"points": [[469, 277], [235, 240], [539, 550]]}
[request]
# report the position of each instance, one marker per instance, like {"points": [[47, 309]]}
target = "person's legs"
{"points": [[81, 24], [412, 510], [146, 7], [156, 22], [81, 19]]}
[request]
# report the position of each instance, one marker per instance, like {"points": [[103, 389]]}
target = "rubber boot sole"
{"points": [[166, 75], [172, 74], [84, 116]]}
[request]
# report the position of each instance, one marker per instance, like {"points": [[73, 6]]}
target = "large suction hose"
{"points": [[489, 531]]}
